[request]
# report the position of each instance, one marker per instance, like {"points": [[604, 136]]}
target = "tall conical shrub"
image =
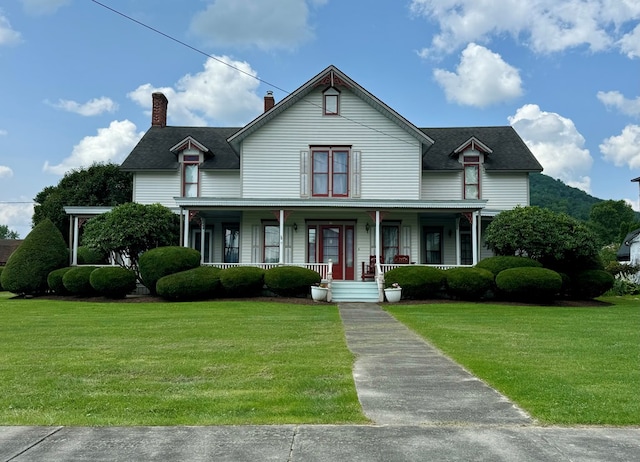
{"points": [[42, 251]]}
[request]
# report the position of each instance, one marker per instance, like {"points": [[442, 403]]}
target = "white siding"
{"points": [[156, 187], [505, 191], [390, 156], [219, 183], [441, 186]]}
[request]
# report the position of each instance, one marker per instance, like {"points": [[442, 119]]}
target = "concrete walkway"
{"points": [[425, 407]]}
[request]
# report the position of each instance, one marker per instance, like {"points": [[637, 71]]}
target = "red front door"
{"points": [[337, 245]]}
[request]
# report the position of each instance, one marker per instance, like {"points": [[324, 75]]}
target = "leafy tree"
{"points": [[129, 230], [97, 185], [556, 240], [6, 233], [612, 220]]}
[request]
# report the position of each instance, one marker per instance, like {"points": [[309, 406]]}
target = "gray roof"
{"points": [[509, 152], [153, 151], [624, 252]]}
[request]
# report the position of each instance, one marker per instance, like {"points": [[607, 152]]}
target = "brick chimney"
{"points": [[269, 101], [159, 110]]}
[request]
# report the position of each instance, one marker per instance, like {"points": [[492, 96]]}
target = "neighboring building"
{"points": [[7, 247], [331, 173]]}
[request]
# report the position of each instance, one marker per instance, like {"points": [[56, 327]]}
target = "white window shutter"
{"points": [[288, 244], [406, 240], [355, 173], [304, 173], [255, 244]]}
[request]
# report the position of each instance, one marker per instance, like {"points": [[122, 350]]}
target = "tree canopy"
{"points": [[556, 240], [130, 229], [612, 220], [97, 185], [6, 233]]}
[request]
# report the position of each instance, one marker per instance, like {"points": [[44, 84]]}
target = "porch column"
{"points": [[458, 256], [74, 250], [202, 246], [378, 236], [474, 237], [185, 242], [281, 257]]}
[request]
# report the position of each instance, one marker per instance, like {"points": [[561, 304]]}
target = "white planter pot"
{"points": [[319, 293], [393, 295]]}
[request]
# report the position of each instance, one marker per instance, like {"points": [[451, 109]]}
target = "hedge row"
{"points": [[87, 281]]}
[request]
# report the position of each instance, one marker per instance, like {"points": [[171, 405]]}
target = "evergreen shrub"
{"points": [[163, 261], [1, 268], [194, 284], [77, 281], [89, 256], [501, 263], [591, 283], [529, 284], [290, 281], [54, 281], [42, 251], [113, 281], [417, 282], [242, 281], [468, 283]]}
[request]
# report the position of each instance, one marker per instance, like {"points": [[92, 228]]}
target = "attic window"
{"points": [[331, 101], [191, 173]]}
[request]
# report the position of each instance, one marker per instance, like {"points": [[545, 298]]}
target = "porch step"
{"points": [[354, 291]]}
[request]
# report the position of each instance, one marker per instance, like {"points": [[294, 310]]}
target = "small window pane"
{"points": [[191, 173], [191, 190], [331, 104]]}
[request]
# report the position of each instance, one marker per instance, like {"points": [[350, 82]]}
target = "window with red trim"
{"points": [[472, 177], [190, 175], [330, 172]]}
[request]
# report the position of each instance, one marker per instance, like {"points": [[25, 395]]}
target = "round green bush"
{"points": [[529, 284], [113, 281], [163, 261], [417, 282], [468, 283], [501, 263], [194, 284], [54, 281], [42, 251], [290, 281], [76, 281], [591, 283], [89, 256], [242, 281]]}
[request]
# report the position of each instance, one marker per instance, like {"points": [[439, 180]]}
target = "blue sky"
{"points": [[76, 78]]}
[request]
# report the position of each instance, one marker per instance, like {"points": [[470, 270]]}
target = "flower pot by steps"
{"points": [[393, 295], [319, 293]]}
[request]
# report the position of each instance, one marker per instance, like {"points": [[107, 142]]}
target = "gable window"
{"points": [[191, 175], [330, 172], [331, 101], [471, 177]]}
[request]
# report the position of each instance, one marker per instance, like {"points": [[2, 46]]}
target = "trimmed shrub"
{"points": [[242, 281], [417, 282], [42, 251], [501, 263], [163, 261], [113, 281], [468, 283], [76, 281], [89, 256], [591, 283], [54, 281], [529, 284], [194, 284], [290, 281]]}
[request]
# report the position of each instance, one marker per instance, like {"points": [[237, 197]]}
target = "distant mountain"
{"points": [[555, 195]]}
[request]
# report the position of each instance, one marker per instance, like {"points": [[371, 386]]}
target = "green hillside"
{"points": [[555, 195]]}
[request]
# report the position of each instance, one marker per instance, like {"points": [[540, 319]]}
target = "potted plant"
{"points": [[319, 292], [393, 293]]}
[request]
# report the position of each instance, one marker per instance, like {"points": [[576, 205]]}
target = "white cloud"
{"points": [[545, 26], [217, 95], [630, 43], [623, 149], [8, 36], [481, 78], [111, 144], [265, 24], [95, 106], [617, 100], [38, 7], [556, 143], [17, 216], [5, 172]]}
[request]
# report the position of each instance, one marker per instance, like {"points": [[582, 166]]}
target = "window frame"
{"points": [[332, 173], [190, 160], [439, 230], [468, 162], [266, 246], [233, 227], [331, 94]]}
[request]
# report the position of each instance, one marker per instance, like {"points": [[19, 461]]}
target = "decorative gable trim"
{"points": [[474, 144], [331, 79], [188, 143]]}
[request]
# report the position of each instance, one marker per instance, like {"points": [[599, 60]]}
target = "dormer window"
{"points": [[331, 101], [471, 175], [191, 174]]}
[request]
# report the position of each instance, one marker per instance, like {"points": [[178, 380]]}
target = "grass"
{"points": [[210, 363], [564, 365]]}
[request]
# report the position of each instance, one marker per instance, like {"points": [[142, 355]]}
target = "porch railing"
{"points": [[389, 266], [321, 268]]}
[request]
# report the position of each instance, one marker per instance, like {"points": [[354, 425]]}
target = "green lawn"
{"points": [[209, 363], [563, 365]]}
